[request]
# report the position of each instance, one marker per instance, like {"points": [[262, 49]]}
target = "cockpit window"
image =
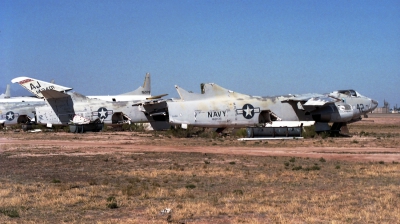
{"points": [[349, 92]]}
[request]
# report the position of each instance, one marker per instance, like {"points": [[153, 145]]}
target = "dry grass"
{"points": [[80, 182], [252, 189]]}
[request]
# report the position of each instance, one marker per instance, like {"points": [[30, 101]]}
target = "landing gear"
{"points": [[81, 128], [339, 129], [219, 130]]}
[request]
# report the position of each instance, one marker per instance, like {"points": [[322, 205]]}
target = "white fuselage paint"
{"points": [[14, 108], [223, 108]]}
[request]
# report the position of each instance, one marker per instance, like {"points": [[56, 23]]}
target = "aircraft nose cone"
{"points": [[374, 104]]}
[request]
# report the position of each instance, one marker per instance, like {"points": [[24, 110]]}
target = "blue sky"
{"points": [[253, 47]]}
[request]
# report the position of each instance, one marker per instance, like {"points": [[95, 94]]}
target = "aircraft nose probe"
{"points": [[374, 104]]}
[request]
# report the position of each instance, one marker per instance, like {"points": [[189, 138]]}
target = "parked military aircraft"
{"points": [[222, 108], [20, 110], [60, 106], [15, 110], [36, 86], [63, 107]]}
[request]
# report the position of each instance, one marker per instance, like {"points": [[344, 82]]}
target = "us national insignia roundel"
{"points": [[10, 116], [248, 111], [102, 113]]}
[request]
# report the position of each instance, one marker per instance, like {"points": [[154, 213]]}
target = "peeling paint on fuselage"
{"points": [[232, 110], [240, 110], [12, 109], [61, 111]]}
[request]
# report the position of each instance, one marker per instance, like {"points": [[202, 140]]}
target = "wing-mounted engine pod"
{"points": [[333, 113], [323, 114]]}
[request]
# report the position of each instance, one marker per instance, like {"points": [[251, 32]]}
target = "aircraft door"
{"points": [[119, 118], [23, 119], [267, 116]]}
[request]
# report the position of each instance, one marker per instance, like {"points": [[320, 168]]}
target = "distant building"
{"points": [[381, 110]]}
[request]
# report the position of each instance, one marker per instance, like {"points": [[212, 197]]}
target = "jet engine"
{"points": [[333, 113]]}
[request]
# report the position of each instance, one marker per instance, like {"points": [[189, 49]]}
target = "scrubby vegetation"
{"points": [[132, 187], [116, 177]]}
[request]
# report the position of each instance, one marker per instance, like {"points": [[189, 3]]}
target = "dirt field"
{"points": [[130, 177]]}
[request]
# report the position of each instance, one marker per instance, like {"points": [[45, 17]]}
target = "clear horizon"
{"points": [[259, 48]]}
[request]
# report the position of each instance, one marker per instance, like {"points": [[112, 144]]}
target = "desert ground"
{"points": [[157, 177]]}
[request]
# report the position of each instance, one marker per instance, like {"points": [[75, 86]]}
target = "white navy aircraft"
{"points": [[36, 87], [55, 104], [221, 108], [21, 109]]}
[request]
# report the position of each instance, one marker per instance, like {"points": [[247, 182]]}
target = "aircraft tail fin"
{"points": [[36, 86], [7, 93], [186, 95], [142, 90], [208, 90], [212, 89]]}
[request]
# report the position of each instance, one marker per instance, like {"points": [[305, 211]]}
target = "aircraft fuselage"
{"points": [[16, 110], [222, 108]]}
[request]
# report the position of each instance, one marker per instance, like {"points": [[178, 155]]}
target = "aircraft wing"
{"points": [[156, 97], [148, 102], [309, 102], [319, 101], [157, 107], [52, 94], [312, 99], [36, 86]]}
